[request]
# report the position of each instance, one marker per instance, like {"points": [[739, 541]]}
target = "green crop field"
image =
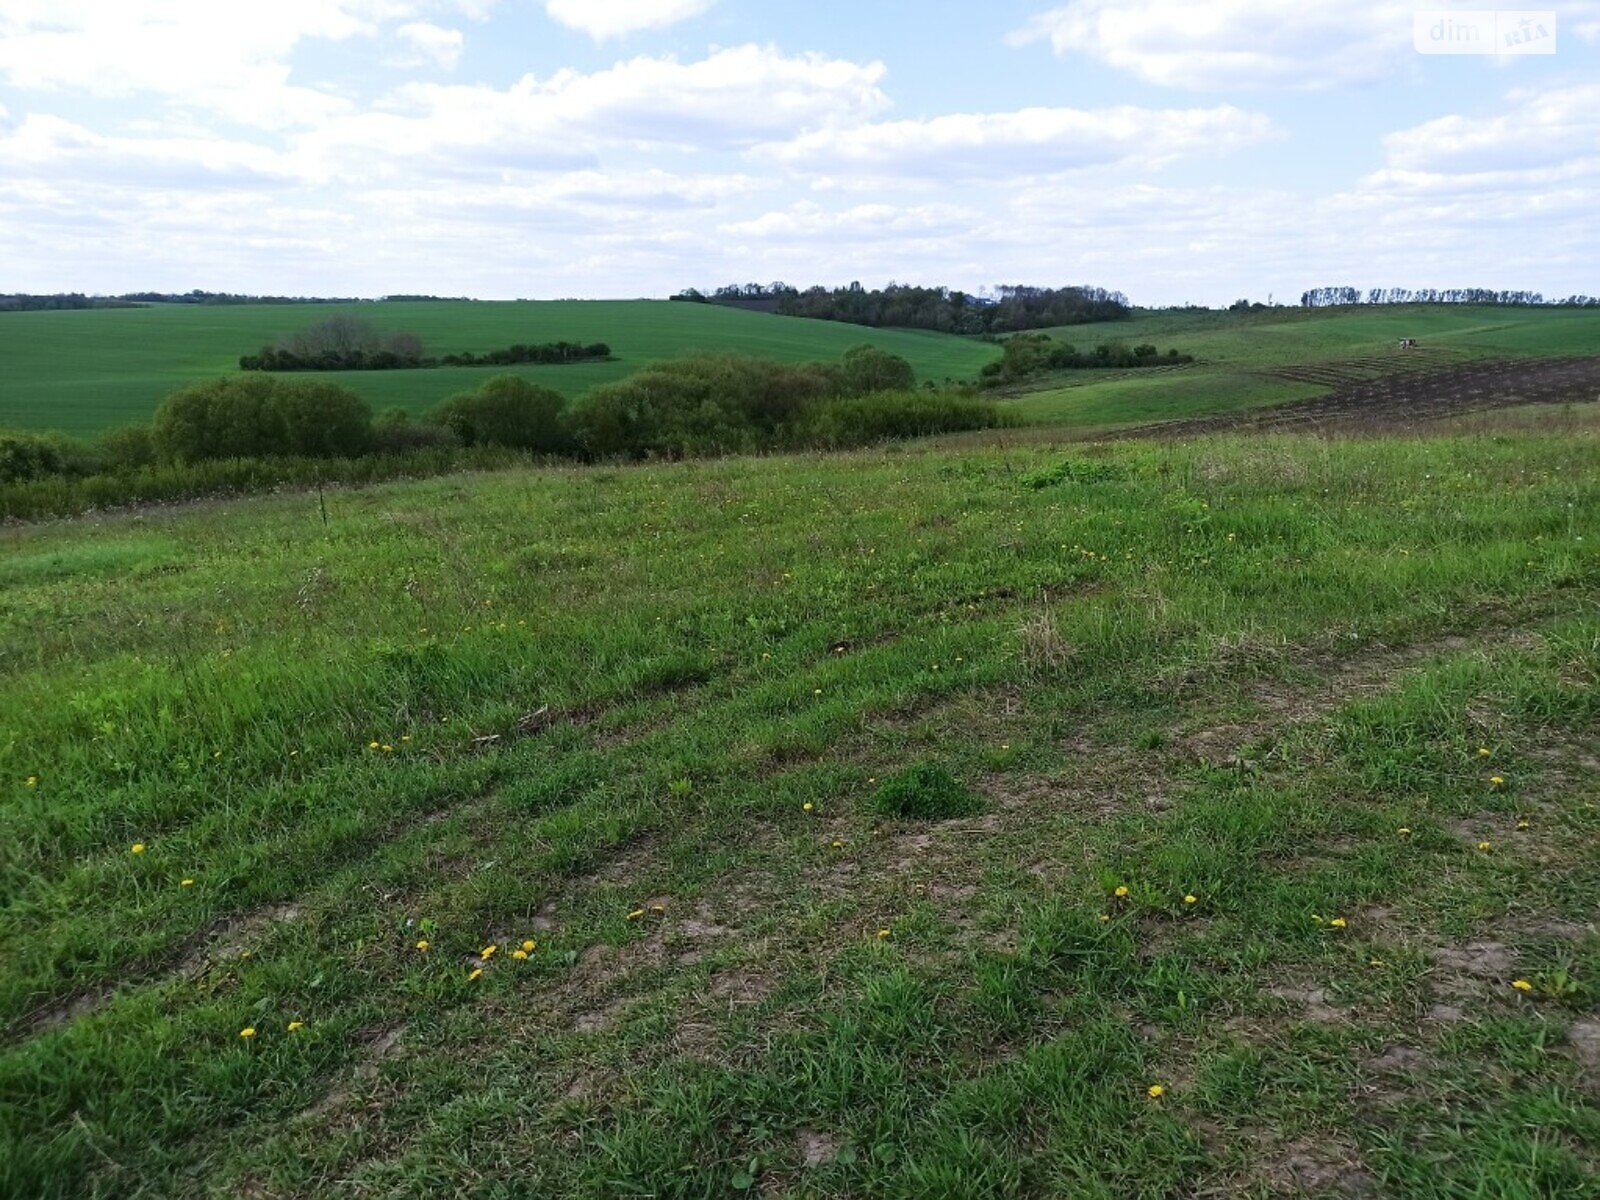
{"points": [[87, 371], [1003, 818], [1247, 360]]}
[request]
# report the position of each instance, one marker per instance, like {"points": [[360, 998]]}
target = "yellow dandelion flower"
{"points": [[248, 1032], [422, 945], [1337, 923], [838, 843], [520, 955], [1191, 898], [372, 745], [1485, 847], [1122, 891], [808, 807], [185, 883], [487, 952], [636, 914], [388, 749], [1524, 824], [137, 848], [1156, 1091], [296, 1026], [883, 933], [33, 781], [1522, 985], [1374, 962], [1497, 781], [477, 973], [1404, 831], [1317, 917], [1484, 752], [1105, 917], [658, 908], [530, 945]]}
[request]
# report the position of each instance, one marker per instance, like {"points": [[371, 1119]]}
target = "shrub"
{"points": [[507, 411], [25, 456], [128, 448], [260, 417], [395, 432], [705, 404], [862, 420], [925, 792], [868, 369]]}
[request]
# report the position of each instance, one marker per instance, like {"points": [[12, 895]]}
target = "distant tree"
{"points": [[341, 336]]}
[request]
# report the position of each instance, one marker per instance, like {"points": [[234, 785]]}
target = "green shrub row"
{"points": [[245, 432]]}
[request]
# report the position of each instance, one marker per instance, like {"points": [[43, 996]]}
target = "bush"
{"points": [[260, 417], [926, 792], [706, 404], [507, 411], [127, 449], [868, 369], [394, 432], [25, 456], [862, 420]]}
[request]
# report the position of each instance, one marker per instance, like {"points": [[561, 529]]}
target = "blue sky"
{"points": [[1179, 151]]}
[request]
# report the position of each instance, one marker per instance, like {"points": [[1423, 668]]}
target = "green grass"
{"points": [[86, 371], [589, 708], [1240, 355]]}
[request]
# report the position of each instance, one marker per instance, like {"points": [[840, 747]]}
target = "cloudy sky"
{"points": [[1178, 150]]}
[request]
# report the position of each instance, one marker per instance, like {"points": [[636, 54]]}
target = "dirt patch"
{"points": [[1398, 1059], [1402, 401], [1320, 1167], [1584, 1038], [1313, 1001], [739, 987], [816, 1149]]}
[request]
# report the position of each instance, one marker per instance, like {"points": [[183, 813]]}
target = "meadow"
{"points": [[86, 371], [997, 817]]}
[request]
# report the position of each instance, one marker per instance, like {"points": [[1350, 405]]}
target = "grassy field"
{"points": [[1215, 818], [87, 371], [1248, 360]]}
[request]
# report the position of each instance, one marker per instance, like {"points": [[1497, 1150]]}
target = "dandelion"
{"points": [[388, 749], [1104, 917], [883, 933], [636, 914], [1404, 831], [1338, 923], [1156, 1091], [137, 848], [1191, 898], [1122, 891], [422, 946], [248, 1032], [520, 955], [296, 1026], [1522, 985], [33, 781], [816, 691], [1485, 847], [1317, 918], [487, 952], [185, 883], [1497, 781], [1484, 752], [1524, 824], [477, 973], [838, 843], [808, 807], [1375, 962], [372, 745], [530, 945], [658, 908]]}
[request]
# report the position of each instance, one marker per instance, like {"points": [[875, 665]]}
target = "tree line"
{"points": [[1331, 297], [347, 343], [1029, 354], [945, 310]]}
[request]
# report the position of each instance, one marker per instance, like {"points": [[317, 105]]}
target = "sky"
{"points": [[1175, 150]]}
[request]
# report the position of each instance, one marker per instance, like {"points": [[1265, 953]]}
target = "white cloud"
{"points": [[602, 19], [1546, 129], [1242, 44], [428, 43], [1027, 141], [1233, 43], [727, 101]]}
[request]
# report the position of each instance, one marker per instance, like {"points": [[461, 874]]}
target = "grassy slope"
{"points": [[1232, 670], [86, 371], [1238, 353]]}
